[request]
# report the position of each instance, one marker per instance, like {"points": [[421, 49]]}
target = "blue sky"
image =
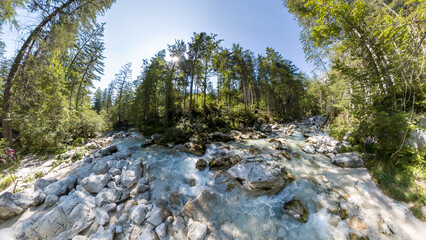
{"points": [[137, 29]]}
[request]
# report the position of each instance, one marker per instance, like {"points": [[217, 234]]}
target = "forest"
{"points": [[372, 88]]}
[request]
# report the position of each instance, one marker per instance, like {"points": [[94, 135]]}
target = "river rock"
{"points": [[122, 155], [138, 214], [84, 171], [103, 234], [148, 234], [50, 200], [109, 150], [201, 164], [101, 167], [130, 176], [195, 146], [266, 128], [107, 196], [8, 208], [220, 137], [158, 214], [357, 224], [42, 183], [61, 187], [219, 163], [348, 160], [196, 230], [65, 221], [161, 231], [297, 209], [261, 177], [309, 148], [147, 142], [95, 183], [38, 197], [198, 208]]}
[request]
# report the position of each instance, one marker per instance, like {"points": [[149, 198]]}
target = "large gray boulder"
{"points": [[61, 187], [158, 215], [107, 196], [109, 150], [101, 167], [42, 183], [348, 160], [131, 176], [84, 171], [95, 183], [266, 128], [260, 177], [73, 215], [148, 234], [8, 207]]}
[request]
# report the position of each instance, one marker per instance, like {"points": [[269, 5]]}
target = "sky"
{"points": [[138, 29]]}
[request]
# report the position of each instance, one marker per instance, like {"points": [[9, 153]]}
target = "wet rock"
{"points": [[61, 187], [309, 148], [65, 221], [261, 177], [219, 163], [357, 224], [196, 230], [195, 146], [8, 208], [386, 227], [225, 181], [176, 200], [199, 208], [201, 164], [297, 209], [334, 220], [138, 214], [220, 137], [109, 150], [102, 217], [147, 142], [253, 150], [348, 160], [285, 155], [95, 183], [192, 182], [356, 236], [296, 155], [130, 176], [50, 200], [266, 128]]}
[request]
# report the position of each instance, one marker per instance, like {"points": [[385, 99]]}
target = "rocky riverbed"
{"points": [[287, 181]]}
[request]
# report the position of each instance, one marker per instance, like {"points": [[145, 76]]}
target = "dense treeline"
{"points": [[373, 56], [203, 82], [46, 85]]}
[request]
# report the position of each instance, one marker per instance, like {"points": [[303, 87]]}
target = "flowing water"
{"points": [[237, 215]]}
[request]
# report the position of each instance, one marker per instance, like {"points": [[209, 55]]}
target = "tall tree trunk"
{"points": [[10, 80]]}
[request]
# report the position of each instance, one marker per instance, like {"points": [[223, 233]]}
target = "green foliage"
{"points": [[7, 181]]}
